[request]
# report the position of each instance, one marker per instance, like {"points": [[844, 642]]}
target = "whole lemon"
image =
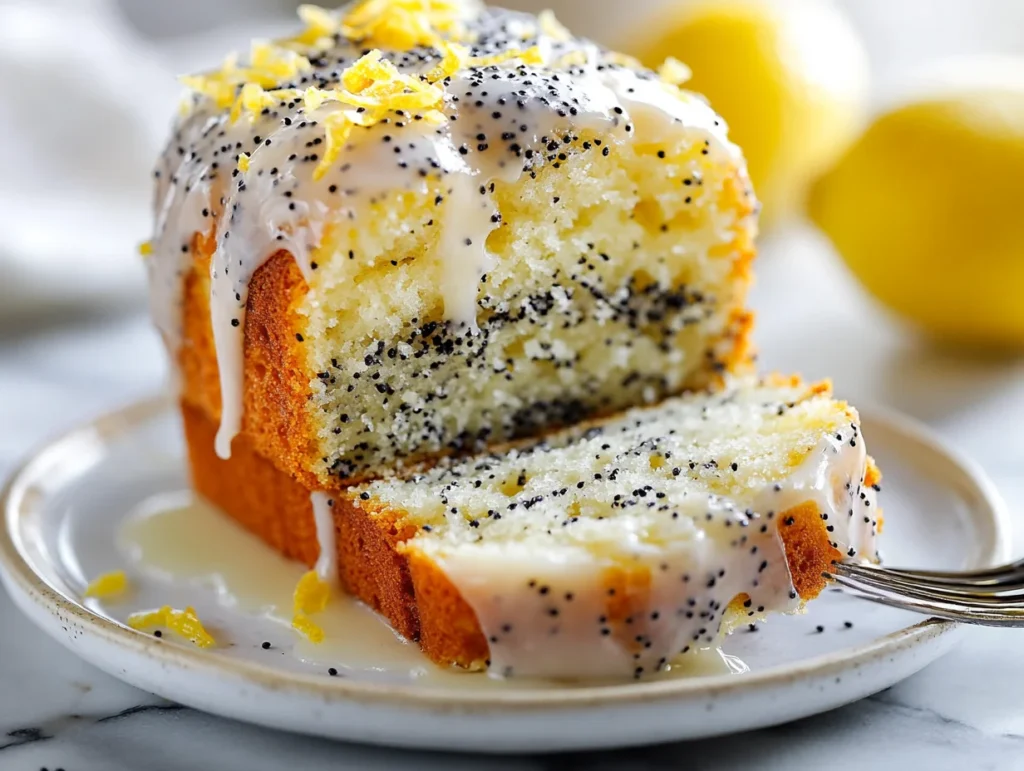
{"points": [[789, 77], [926, 210]]}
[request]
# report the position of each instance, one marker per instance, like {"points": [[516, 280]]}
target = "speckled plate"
{"points": [[64, 508]]}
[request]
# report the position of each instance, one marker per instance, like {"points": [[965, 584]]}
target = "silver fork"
{"points": [[993, 597]]}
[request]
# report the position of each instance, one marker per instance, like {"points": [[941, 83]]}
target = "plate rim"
{"points": [[17, 572]]}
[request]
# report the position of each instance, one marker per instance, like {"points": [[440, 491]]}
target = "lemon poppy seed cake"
{"points": [[417, 240], [613, 547], [421, 227]]}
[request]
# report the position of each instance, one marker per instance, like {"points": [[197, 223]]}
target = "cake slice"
{"points": [[417, 229], [610, 548]]}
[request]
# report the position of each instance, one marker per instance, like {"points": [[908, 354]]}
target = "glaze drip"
{"points": [[323, 516]]}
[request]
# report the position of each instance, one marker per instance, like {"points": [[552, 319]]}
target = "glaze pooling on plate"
{"points": [[170, 544], [246, 164]]}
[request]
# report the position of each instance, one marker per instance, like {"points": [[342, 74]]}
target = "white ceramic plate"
{"points": [[62, 516]]}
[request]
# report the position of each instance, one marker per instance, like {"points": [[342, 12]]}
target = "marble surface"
{"points": [[967, 711]]}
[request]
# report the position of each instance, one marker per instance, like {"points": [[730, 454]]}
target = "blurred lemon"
{"points": [[789, 77], [926, 210]]}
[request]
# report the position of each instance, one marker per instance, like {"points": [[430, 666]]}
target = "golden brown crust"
{"points": [[742, 356], [276, 507], [251, 489], [449, 631], [276, 383], [809, 551], [872, 476], [405, 586], [779, 380], [373, 568]]}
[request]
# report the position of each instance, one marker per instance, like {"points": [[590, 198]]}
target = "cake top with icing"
{"points": [[435, 98], [411, 68], [383, 59]]}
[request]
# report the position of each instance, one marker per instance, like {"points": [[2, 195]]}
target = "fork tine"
{"points": [[879, 578], [911, 580], [1013, 573], [951, 610]]}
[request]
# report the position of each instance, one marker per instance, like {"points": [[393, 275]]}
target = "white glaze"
{"points": [[832, 478], [173, 537], [253, 219], [323, 516], [683, 605], [177, 540]]}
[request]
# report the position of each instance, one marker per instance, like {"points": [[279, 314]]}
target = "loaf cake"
{"points": [[424, 239], [407, 233]]}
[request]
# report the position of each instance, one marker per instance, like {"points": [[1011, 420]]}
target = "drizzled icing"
{"points": [[323, 517], [252, 181], [549, 617]]}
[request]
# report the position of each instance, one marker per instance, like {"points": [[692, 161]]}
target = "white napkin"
{"points": [[85, 110]]}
